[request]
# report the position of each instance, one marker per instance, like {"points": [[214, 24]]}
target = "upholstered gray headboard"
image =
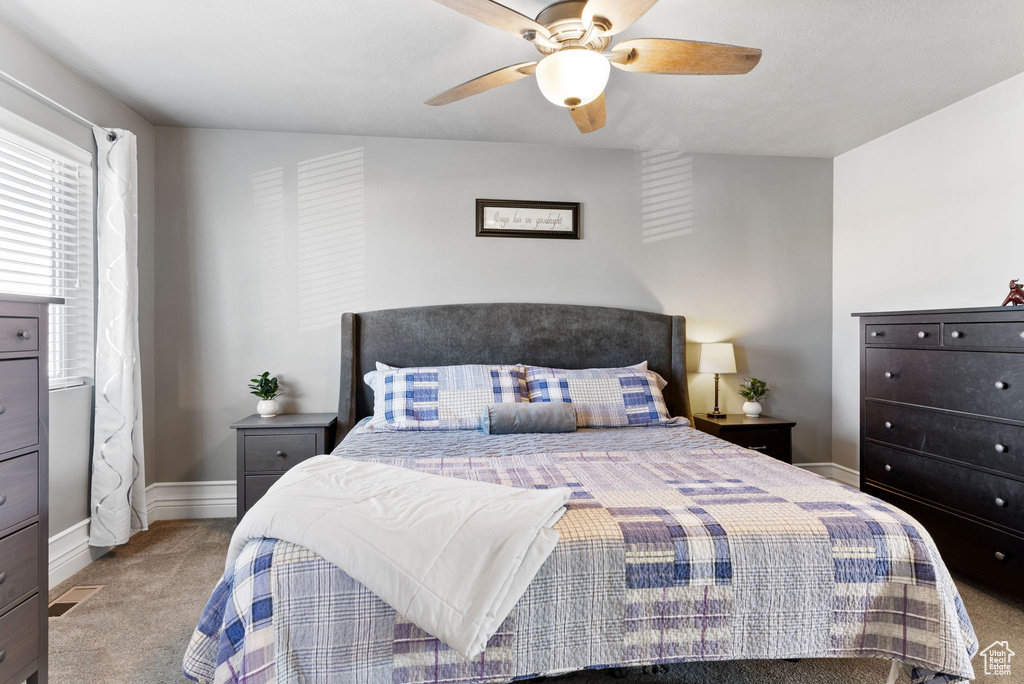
{"points": [[556, 335]]}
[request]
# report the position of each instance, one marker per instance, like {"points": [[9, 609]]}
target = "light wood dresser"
{"points": [[942, 431], [24, 422]]}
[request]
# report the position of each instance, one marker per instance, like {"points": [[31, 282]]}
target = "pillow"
{"points": [[636, 366], [603, 397], [442, 397], [506, 419], [642, 366]]}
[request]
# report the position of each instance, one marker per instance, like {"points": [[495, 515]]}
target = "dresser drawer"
{"points": [[19, 334], [18, 489], [256, 486], [903, 334], [984, 383], [975, 549], [19, 565], [19, 638], [774, 443], [19, 403], [970, 440], [989, 497], [1005, 335], [278, 452]]}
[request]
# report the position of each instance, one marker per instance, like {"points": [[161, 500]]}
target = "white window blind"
{"points": [[46, 245]]}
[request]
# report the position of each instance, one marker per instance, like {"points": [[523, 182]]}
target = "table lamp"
{"points": [[717, 358]]}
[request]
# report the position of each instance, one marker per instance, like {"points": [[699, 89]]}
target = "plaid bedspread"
{"points": [[676, 546]]}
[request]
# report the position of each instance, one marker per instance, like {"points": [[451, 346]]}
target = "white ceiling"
{"points": [[835, 73]]}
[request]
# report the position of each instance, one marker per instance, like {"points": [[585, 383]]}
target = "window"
{"points": [[46, 239]]}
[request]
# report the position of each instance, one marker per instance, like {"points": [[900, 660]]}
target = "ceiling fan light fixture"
{"points": [[573, 76]]}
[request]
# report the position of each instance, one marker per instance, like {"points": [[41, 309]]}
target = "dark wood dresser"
{"points": [[267, 447], [942, 431], [24, 483]]}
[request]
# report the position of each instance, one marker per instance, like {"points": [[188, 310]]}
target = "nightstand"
{"points": [[768, 435], [267, 447]]}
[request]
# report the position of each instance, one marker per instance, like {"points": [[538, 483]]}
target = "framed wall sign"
{"points": [[523, 218]]}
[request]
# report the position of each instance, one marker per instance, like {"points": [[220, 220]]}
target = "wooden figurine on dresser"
{"points": [[1016, 296], [942, 430], [24, 484]]}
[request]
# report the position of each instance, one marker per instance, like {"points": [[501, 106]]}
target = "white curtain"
{"points": [[118, 462]]}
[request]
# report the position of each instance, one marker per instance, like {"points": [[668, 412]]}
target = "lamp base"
{"points": [[717, 412]]}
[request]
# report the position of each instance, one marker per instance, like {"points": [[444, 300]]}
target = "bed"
{"points": [[676, 546]]}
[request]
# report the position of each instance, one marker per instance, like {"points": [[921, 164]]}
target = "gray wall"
{"points": [[926, 217], [71, 409], [264, 239]]}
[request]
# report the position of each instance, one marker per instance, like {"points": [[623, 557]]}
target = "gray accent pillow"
{"points": [[504, 419]]}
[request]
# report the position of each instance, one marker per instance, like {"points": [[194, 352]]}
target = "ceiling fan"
{"points": [[574, 37]]}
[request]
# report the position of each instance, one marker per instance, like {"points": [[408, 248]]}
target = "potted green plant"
{"points": [[753, 390], [266, 388]]}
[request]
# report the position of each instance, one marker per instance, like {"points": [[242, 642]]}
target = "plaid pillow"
{"points": [[604, 397], [441, 398]]}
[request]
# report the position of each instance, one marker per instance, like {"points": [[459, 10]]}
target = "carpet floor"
{"points": [[135, 629]]}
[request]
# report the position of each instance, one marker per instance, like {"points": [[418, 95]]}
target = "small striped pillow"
{"points": [[441, 397], [604, 397]]}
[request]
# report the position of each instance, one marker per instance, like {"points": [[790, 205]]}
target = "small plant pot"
{"points": [[752, 408], [267, 408]]}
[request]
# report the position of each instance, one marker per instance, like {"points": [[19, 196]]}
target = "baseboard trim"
{"points": [[833, 471], [847, 476], [823, 469], [70, 551], [190, 500]]}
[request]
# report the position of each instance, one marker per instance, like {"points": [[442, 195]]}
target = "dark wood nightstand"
{"points": [[269, 446], [768, 435]]}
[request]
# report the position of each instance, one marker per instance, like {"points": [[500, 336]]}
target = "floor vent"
{"points": [[71, 599]]}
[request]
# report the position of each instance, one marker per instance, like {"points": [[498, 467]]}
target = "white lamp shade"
{"points": [[573, 76], [718, 357]]}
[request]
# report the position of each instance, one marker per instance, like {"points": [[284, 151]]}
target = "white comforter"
{"points": [[452, 556]]}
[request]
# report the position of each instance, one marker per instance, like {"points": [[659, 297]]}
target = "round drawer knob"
{"points": [[3, 656], [889, 426], [3, 408], [1022, 335], [1000, 502], [1000, 556], [281, 454], [875, 333], [3, 499], [888, 468], [24, 334], [922, 334], [890, 374], [1001, 448], [956, 334], [1000, 384], [3, 577]]}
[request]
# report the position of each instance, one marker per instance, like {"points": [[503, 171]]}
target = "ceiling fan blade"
{"points": [[668, 56], [481, 83], [497, 15], [620, 14], [589, 117]]}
